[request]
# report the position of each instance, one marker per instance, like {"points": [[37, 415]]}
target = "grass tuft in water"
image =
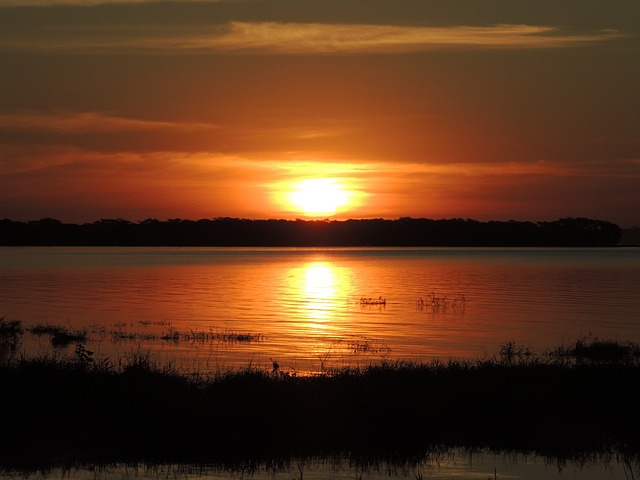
{"points": [[511, 351], [365, 301], [588, 349], [10, 338], [10, 328], [60, 336], [441, 304], [199, 336]]}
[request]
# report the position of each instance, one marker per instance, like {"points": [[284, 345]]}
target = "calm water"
{"points": [[302, 307]]}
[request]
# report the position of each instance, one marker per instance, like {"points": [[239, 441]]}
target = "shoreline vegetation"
{"points": [[572, 403], [403, 232]]}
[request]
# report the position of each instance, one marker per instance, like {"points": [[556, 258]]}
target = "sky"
{"points": [[491, 110]]}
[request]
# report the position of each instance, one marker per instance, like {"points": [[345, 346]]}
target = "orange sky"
{"points": [[521, 110]]}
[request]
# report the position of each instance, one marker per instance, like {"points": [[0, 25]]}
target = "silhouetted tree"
{"points": [[227, 231]]}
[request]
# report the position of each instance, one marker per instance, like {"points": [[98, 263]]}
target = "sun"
{"points": [[319, 196]]}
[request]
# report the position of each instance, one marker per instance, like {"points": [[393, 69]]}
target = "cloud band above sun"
{"points": [[297, 38], [303, 38]]}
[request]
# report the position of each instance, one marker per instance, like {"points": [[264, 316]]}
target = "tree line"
{"points": [[404, 232]]}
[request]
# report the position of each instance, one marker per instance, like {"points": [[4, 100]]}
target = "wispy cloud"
{"points": [[301, 38], [88, 3], [328, 38], [68, 122]]}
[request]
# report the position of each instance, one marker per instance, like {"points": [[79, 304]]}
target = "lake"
{"points": [[314, 309]]}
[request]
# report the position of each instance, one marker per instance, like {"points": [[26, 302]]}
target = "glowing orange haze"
{"points": [[500, 116], [201, 185]]}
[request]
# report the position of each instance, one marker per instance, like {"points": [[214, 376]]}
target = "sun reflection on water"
{"points": [[320, 288], [319, 281]]}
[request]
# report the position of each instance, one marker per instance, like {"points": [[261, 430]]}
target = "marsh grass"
{"points": [[441, 304], [593, 349], [174, 335], [136, 409], [342, 351], [60, 336], [123, 335], [10, 329], [11, 333], [371, 301], [10, 338], [368, 345], [510, 351], [199, 336]]}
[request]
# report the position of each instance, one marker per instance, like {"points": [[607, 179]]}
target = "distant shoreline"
{"points": [[235, 232]]}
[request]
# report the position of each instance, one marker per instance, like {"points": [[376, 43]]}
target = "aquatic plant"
{"points": [[10, 328], [10, 338], [372, 301], [119, 335], [138, 360], [83, 355], [363, 301], [231, 336], [441, 304], [510, 351], [60, 336], [194, 336], [367, 345], [588, 349], [146, 323], [210, 336], [172, 335], [352, 348]]}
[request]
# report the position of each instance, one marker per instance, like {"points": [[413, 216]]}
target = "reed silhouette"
{"points": [[567, 402]]}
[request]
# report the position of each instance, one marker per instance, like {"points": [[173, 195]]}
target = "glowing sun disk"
{"points": [[319, 196]]}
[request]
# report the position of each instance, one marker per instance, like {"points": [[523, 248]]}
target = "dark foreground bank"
{"points": [[571, 403]]}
